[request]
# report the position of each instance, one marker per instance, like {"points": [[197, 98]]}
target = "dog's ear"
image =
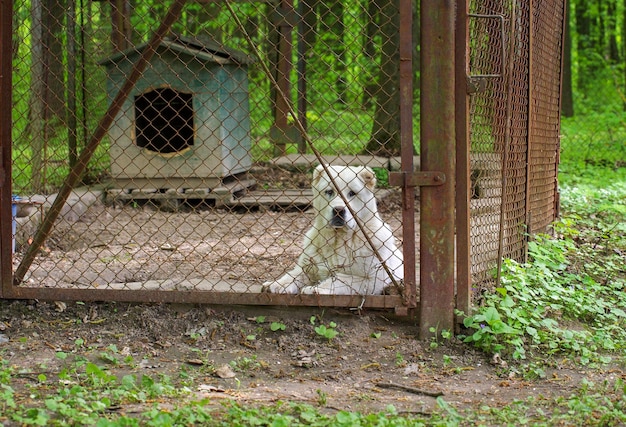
{"points": [[369, 178], [317, 173]]}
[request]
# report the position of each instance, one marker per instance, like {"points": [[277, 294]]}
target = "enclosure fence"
{"points": [[164, 152], [514, 82]]}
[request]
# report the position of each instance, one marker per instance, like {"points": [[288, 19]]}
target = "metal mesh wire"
{"points": [[544, 135], [514, 125], [202, 182]]}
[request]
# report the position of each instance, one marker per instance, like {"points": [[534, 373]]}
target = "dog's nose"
{"points": [[339, 212], [339, 217]]}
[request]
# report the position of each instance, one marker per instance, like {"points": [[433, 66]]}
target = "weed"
{"points": [[570, 297], [400, 362], [434, 340], [277, 326], [382, 177], [242, 364], [322, 397], [327, 331]]}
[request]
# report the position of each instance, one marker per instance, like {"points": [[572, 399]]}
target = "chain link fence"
{"points": [[515, 66], [202, 180]]}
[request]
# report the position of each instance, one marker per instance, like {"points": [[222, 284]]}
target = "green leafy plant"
{"points": [[529, 310], [400, 361], [329, 332], [277, 326], [436, 336], [322, 397], [382, 177], [242, 364]]}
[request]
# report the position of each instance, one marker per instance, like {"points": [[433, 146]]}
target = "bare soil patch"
{"points": [[190, 344]]}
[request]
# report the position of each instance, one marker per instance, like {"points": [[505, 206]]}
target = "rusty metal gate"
{"points": [[165, 155], [509, 136], [194, 185]]}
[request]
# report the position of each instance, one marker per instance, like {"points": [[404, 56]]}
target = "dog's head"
{"points": [[355, 183]]}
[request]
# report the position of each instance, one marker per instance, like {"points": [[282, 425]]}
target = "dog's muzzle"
{"points": [[338, 219]]}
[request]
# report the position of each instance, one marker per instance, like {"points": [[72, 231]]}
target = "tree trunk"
{"points": [[72, 113], [36, 125], [385, 136], [371, 12], [53, 19], [567, 97], [332, 33], [120, 25], [624, 42], [613, 50], [586, 44], [339, 50]]}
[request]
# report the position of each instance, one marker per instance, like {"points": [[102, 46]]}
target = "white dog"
{"points": [[337, 258]]}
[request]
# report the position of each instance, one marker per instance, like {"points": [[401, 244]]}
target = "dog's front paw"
{"points": [[309, 290], [320, 289], [279, 288]]}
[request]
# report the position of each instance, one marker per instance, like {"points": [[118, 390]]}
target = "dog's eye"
{"points": [[330, 192], [351, 193]]}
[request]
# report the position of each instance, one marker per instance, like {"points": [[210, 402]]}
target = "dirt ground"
{"points": [[233, 352], [375, 360], [136, 242]]}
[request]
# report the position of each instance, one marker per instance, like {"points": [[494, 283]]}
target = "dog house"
{"points": [[185, 124]]}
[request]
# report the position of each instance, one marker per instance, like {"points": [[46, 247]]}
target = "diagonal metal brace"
{"points": [[416, 179]]}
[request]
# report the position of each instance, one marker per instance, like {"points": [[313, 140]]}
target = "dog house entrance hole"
{"points": [[164, 120]]}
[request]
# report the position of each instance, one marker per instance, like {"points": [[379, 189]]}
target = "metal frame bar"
{"points": [[437, 154], [531, 120], [406, 142], [204, 297], [6, 88], [507, 138], [463, 184]]}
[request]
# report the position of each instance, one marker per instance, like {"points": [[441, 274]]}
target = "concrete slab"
{"points": [[295, 199], [308, 161], [32, 209]]}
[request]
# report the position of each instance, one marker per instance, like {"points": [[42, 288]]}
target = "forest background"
{"points": [[59, 87]]}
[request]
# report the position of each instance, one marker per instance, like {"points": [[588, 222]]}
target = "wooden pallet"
{"points": [[273, 199], [233, 196], [172, 198]]}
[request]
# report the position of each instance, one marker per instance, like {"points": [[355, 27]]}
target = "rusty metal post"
{"points": [[463, 185], [437, 154], [6, 27], [406, 143]]}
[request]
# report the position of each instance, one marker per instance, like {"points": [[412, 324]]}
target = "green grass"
{"points": [[85, 394], [595, 139], [570, 298]]}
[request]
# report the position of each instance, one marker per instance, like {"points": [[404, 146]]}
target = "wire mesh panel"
{"points": [[202, 181], [514, 62], [547, 36], [489, 127]]}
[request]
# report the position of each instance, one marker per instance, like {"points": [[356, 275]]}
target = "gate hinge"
{"points": [[416, 179]]}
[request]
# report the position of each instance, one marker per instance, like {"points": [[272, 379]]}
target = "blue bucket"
{"points": [[14, 200]]}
